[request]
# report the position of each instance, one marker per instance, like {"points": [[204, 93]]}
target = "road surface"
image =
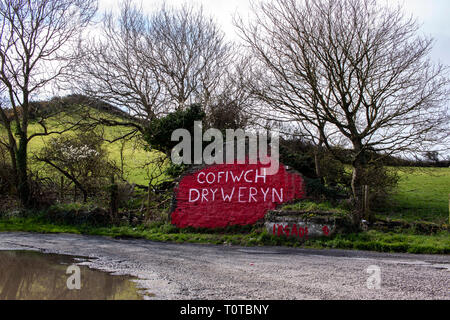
{"points": [[188, 271]]}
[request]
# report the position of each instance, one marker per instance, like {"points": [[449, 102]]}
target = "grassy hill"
{"points": [[135, 157], [422, 194]]}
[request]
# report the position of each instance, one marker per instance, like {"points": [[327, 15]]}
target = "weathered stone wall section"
{"points": [[304, 225]]}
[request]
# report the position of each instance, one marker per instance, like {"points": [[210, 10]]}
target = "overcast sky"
{"points": [[435, 18], [434, 15]]}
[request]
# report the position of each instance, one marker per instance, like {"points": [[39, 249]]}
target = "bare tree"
{"points": [[230, 106], [192, 54], [151, 65], [118, 67], [352, 70], [34, 51]]}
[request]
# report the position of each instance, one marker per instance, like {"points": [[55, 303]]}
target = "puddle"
{"points": [[28, 275]]}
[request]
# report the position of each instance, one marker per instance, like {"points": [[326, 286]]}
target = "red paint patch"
{"points": [[232, 194]]}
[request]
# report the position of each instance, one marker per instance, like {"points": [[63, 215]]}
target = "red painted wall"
{"points": [[232, 194]]}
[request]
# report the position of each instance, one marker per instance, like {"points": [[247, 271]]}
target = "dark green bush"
{"points": [[159, 131]]}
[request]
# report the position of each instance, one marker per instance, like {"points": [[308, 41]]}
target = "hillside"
{"points": [[135, 157]]}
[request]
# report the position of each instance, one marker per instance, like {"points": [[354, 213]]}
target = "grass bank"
{"points": [[422, 195], [244, 236]]}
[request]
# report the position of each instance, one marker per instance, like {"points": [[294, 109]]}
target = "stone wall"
{"points": [[304, 225]]}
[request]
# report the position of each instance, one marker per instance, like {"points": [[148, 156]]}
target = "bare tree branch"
{"points": [[349, 70], [36, 47]]}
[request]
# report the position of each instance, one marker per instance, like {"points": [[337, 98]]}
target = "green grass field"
{"points": [[135, 157], [422, 194]]}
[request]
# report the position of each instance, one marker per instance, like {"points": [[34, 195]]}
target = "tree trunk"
{"points": [[85, 195], [357, 191], [357, 183], [22, 172], [83, 191], [61, 190], [317, 164], [12, 147], [12, 155]]}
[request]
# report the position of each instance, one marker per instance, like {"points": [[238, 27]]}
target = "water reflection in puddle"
{"points": [[26, 275]]}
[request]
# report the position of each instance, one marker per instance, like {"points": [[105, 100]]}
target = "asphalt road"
{"points": [[186, 271]]}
